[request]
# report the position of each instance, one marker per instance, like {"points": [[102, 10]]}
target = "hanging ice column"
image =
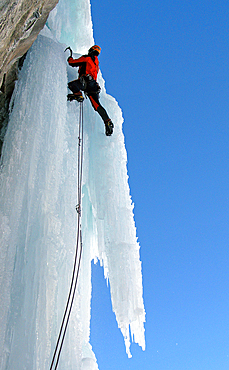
{"points": [[38, 218]]}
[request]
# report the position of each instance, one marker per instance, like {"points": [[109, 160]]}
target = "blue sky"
{"points": [[167, 64]]}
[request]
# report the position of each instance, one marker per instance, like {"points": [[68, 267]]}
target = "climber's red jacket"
{"points": [[88, 65]]}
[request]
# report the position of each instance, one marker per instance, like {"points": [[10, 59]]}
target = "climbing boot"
{"points": [[109, 127], [76, 96]]}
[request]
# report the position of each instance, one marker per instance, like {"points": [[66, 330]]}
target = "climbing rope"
{"points": [[78, 252]]}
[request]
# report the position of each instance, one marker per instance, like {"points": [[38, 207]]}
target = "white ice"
{"points": [[37, 208]]}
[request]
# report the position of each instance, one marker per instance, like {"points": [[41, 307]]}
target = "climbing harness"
{"points": [[78, 252]]}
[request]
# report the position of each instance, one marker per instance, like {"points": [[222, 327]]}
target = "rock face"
{"points": [[20, 23]]}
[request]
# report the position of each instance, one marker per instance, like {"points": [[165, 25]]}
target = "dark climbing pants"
{"points": [[92, 89]]}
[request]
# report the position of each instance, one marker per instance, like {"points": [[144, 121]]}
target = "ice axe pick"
{"points": [[68, 48]]}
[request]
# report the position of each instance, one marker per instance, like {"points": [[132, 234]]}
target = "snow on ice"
{"points": [[37, 208]]}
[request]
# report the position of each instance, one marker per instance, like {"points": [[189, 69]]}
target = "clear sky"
{"points": [[167, 64]]}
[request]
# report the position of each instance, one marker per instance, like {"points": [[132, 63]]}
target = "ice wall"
{"points": [[37, 208]]}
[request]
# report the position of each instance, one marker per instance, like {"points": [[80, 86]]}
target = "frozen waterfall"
{"points": [[37, 208]]}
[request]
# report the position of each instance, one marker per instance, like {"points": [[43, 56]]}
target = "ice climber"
{"points": [[87, 82]]}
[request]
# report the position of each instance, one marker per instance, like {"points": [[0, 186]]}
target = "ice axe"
{"points": [[68, 48]]}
